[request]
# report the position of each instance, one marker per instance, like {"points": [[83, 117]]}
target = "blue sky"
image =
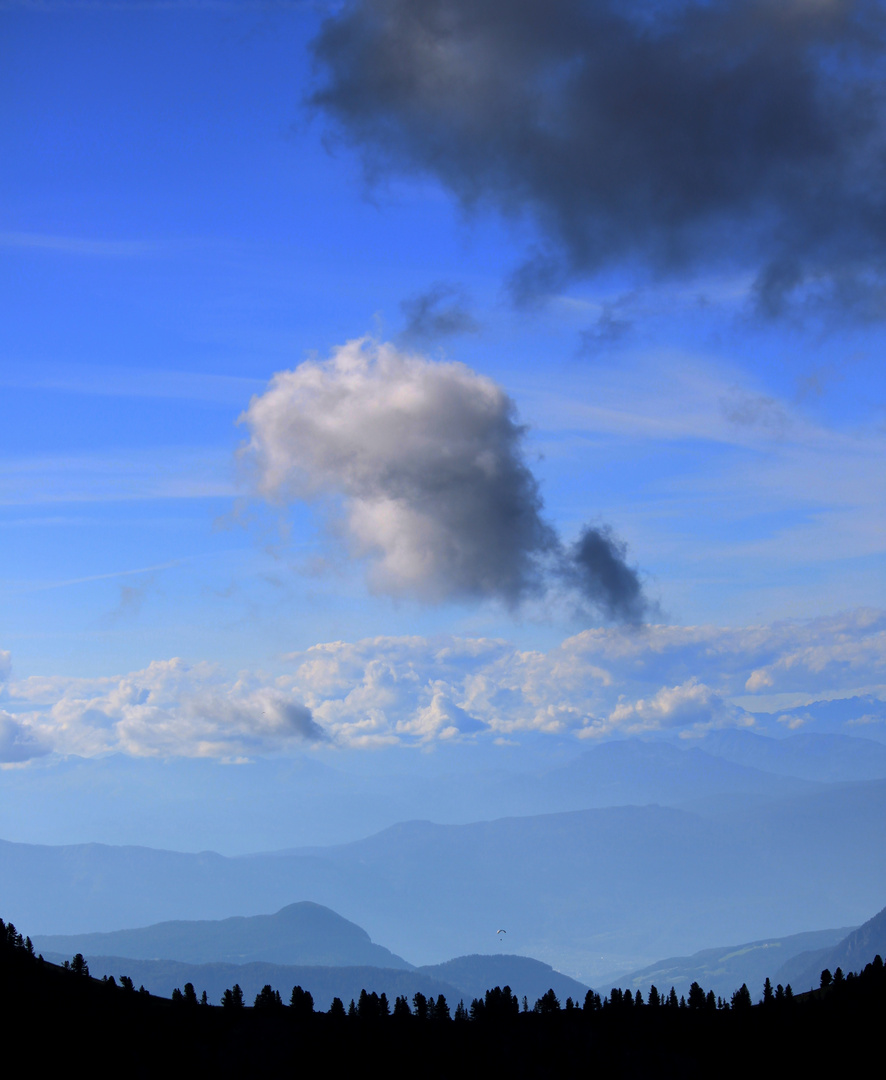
{"points": [[179, 224]]}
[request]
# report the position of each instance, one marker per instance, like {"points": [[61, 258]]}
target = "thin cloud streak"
{"points": [[105, 577], [162, 473], [130, 382], [74, 245]]}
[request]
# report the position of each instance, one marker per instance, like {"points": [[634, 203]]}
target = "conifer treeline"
{"points": [[832, 1028]]}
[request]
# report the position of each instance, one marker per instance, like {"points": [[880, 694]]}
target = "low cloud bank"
{"points": [[168, 709], [605, 682]]}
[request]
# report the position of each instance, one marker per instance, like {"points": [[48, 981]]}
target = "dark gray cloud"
{"points": [[426, 465], [298, 720], [596, 565], [440, 312], [676, 135]]}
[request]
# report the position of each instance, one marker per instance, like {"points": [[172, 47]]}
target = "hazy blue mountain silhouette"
{"points": [[631, 772], [474, 975], [724, 969], [589, 891], [293, 801], [810, 756], [301, 933]]}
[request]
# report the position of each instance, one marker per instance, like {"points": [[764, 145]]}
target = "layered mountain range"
{"points": [[700, 847]]}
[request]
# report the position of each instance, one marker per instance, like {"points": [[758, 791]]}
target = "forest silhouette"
{"points": [[60, 1011]]}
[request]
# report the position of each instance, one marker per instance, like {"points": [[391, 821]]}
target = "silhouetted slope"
{"points": [[65, 1021], [301, 933]]}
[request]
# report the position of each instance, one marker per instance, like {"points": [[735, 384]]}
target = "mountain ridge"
{"points": [[303, 933]]}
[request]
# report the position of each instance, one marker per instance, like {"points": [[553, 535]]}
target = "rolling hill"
{"points": [[303, 933]]}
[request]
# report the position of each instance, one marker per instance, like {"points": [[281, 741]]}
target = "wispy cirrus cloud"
{"points": [[816, 479], [79, 245], [160, 473], [108, 380]]}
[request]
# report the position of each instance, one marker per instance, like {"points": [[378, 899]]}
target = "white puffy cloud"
{"points": [[415, 690], [426, 461], [167, 709], [691, 706], [804, 656], [824, 653], [600, 682]]}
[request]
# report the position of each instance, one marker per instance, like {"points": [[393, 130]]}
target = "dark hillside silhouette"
{"points": [[324, 982], [55, 1012]]}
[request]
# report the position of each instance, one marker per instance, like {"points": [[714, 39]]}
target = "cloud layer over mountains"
{"points": [[610, 681], [428, 462], [677, 133]]}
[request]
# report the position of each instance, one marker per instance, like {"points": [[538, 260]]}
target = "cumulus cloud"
{"points": [[673, 134], [429, 462], [816, 656], [690, 706], [604, 682], [169, 709]]}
